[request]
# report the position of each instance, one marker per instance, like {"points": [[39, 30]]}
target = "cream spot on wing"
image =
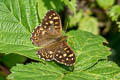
{"points": [[41, 29], [70, 55], [67, 51], [50, 52], [54, 14], [65, 48], [55, 18], [72, 59], [43, 32], [56, 26], [51, 22], [46, 23], [45, 26], [67, 59], [60, 56], [56, 22], [50, 56], [58, 51], [50, 17], [56, 54], [64, 55]]}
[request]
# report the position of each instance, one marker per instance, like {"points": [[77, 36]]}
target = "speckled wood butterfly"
{"points": [[49, 36]]}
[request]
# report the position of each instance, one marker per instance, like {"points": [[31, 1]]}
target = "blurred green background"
{"points": [[100, 17]]}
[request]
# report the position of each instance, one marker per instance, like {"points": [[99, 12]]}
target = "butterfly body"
{"points": [[49, 36]]}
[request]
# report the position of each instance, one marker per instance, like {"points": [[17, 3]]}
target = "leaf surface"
{"points": [[17, 20], [87, 47], [104, 70]]}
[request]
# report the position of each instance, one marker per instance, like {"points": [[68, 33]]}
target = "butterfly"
{"points": [[49, 36]]}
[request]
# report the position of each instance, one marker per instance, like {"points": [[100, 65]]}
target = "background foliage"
{"points": [[92, 27]]}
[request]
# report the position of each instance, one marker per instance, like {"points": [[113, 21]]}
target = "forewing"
{"points": [[49, 29], [52, 23], [64, 54]]}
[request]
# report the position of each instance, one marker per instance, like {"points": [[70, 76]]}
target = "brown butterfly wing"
{"points": [[64, 54], [47, 52], [59, 51], [49, 35], [48, 31]]}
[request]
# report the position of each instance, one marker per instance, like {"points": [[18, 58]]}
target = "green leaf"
{"points": [[10, 60], [89, 24], [18, 18], [15, 38], [71, 4], [36, 71], [114, 12], [45, 5], [105, 4], [87, 47], [108, 70], [103, 70]]}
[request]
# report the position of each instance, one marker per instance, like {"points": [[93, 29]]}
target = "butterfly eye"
{"points": [[36, 34], [38, 31]]}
